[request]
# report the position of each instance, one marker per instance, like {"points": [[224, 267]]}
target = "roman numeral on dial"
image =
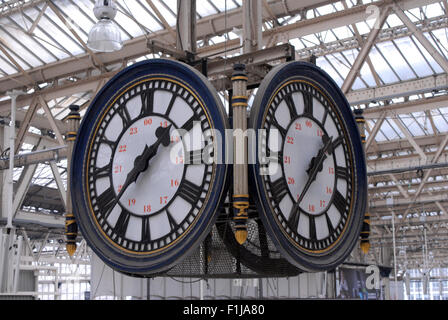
{"points": [[170, 105], [329, 224], [146, 230], [147, 97], [189, 192], [124, 115], [193, 157], [313, 236], [105, 202], [277, 125], [340, 202], [189, 124], [122, 224], [279, 189], [103, 172], [308, 103], [173, 224], [108, 142], [291, 106], [294, 217], [341, 173]]}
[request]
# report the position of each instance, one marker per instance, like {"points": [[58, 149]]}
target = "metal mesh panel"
{"points": [[220, 255]]}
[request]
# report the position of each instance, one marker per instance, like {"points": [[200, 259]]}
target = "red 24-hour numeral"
{"points": [[118, 169], [147, 122], [287, 160], [122, 148], [174, 183], [320, 133], [291, 181], [147, 208], [164, 200], [290, 140], [133, 131], [131, 202], [309, 124], [299, 126], [311, 208]]}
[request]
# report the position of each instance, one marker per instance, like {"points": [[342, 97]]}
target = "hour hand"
{"points": [[316, 163]]}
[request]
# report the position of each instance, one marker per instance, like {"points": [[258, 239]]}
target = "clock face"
{"points": [[148, 165], [163, 202], [308, 181], [311, 188]]}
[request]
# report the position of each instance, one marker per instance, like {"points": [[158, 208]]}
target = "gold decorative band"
{"points": [[73, 117], [240, 78], [239, 104], [241, 196]]}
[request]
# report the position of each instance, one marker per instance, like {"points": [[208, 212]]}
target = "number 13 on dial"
{"points": [[312, 191]]}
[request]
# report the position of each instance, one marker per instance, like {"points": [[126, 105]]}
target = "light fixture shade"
{"points": [[105, 36]]}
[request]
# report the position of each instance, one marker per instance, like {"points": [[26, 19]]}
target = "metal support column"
{"points": [[365, 231], [186, 25], [71, 228], [252, 25], [240, 168], [8, 188]]}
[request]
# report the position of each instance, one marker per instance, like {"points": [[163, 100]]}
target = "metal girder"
{"points": [[24, 218], [68, 88], [410, 221], [422, 199], [441, 60], [207, 27], [26, 159], [407, 107], [252, 25], [59, 182], [186, 25], [410, 138], [365, 50], [401, 89], [386, 34]]}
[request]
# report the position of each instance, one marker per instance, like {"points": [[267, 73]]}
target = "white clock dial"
{"points": [[311, 193], [144, 194]]}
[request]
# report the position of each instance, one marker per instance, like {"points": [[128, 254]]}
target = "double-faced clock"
{"points": [[310, 175], [146, 183]]}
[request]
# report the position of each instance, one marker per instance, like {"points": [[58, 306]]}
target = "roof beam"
{"points": [[207, 27], [365, 50], [417, 105], [441, 60]]}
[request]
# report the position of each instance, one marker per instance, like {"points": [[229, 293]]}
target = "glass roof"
{"points": [[35, 36]]}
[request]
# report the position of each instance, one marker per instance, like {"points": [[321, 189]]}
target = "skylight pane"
{"points": [[221, 5], [204, 8], [396, 60], [381, 67], [59, 33], [414, 57], [411, 125], [323, 63], [428, 57]]}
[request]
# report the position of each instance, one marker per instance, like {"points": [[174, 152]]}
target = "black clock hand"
{"points": [[316, 164], [141, 164]]}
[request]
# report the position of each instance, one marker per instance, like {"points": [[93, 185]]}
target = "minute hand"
{"points": [[321, 156]]}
